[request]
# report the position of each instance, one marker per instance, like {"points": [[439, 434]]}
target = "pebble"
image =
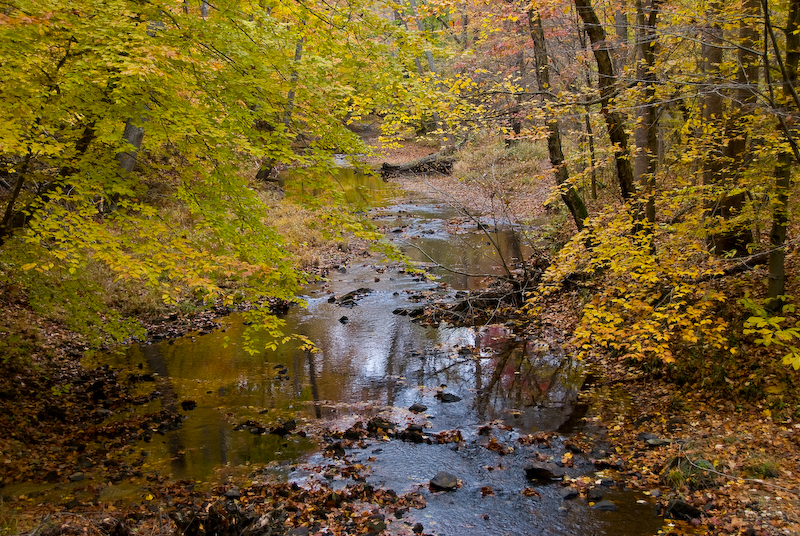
{"points": [[606, 506], [444, 481], [569, 493]]}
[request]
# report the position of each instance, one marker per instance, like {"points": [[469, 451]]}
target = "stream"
{"points": [[371, 361]]}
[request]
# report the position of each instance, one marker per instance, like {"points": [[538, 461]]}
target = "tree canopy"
{"points": [[132, 132]]}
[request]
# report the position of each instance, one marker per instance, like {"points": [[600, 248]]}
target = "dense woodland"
{"points": [[137, 138], [144, 146]]}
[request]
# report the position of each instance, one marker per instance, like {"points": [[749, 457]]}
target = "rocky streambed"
{"points": [[389, 425]]}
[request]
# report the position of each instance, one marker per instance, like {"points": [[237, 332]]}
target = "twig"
{"points": [[446, 268], [732, 477]]}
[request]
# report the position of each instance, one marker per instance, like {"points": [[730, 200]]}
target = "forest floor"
{"points": [[719, 461]]}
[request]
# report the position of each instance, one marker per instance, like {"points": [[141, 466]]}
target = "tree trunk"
{"points": [[606, 80], [445, 139], [7, 224], [746, 96], [645, 134], [780, 201], [516, 108], [568, 194], [134, 135], [588, 120], [748, 77], [621, 28], [465, 41], [718, 173], [264, 173], [777, 235], [592, 159], [441, 162]]}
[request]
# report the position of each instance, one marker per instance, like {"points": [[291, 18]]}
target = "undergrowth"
{"points": [[490, 163], [104, 308]]}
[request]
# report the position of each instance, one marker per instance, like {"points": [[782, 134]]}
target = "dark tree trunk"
{"points": [[592, 158], [777, 235], [646, 139], [516, 108], [588, 120], [14, 218], [780, 215], [621, 31], [134, 135], [606, 81], [723, 158], [568, 194], [441, 162], [7, 224]]}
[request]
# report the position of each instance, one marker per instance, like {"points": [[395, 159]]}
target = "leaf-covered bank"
{"points": [[685, 423]]}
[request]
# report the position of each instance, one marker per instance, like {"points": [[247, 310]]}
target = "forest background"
{"points": [[140, 141]]}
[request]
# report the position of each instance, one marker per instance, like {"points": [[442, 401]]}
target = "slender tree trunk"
{"points": [[777, 235], [516, 108], [712, 36], [712, 96], [265, 170], [417, 62], [621, 28], [293, 78], [746, 96], [780, 201], [747, 80], [421, 28], [721, 158], [588, 120], [568, 194], [445, 138], [14, 218], [592, 158], [606, 81], [465, 42], [646, 140]]}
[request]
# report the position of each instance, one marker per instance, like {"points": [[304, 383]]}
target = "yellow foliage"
{"points": [[649, 302]]}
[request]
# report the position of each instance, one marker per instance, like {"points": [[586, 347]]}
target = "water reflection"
{"points": [[377, 359], [368, 358], [461, 250], [373, 360]]}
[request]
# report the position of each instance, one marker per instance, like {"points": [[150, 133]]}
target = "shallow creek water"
{"points": [[371, 361]]}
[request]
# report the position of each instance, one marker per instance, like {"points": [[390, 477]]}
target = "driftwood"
{"points": [[441, 162]]}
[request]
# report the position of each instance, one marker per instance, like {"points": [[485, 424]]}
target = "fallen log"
{"points": [[441, 162]]}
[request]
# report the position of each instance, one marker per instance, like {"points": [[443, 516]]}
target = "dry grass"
{"points": [[490, 178], [310, 242]]}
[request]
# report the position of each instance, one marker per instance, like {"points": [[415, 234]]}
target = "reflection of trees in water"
{"points": [[188, 450], [206, 372], [479, 253], [312, 379], [522, 377], [356, 189], [169, 400], [362, 369]]}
